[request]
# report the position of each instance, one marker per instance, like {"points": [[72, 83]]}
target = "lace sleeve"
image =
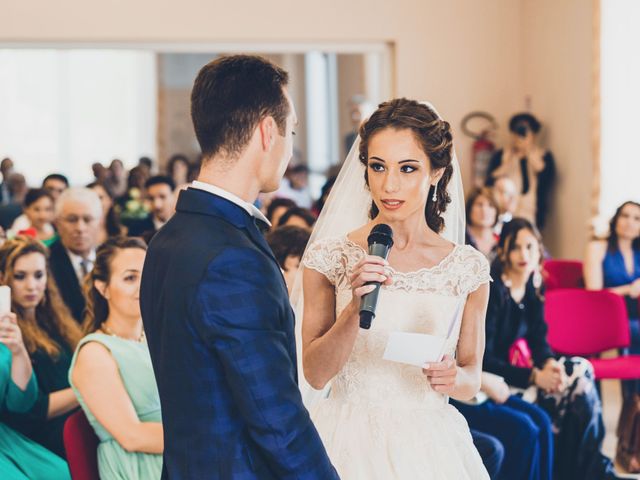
{"points": [[325, 256], [478, 271]]}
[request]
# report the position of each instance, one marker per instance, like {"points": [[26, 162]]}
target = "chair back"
{"points": [[583, 322], [81, 445], [563, 274]]}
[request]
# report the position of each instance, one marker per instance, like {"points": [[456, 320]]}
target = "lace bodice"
{"points": [[423, 301]]}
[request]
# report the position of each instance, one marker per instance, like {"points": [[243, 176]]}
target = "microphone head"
{"points": [[381, 234]]}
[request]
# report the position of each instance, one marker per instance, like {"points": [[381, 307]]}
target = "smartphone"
{"points": [[5, 300]]}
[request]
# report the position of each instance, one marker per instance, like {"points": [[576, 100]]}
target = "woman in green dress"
{"points": [[111, 371], [50, 335], [21, 458]]}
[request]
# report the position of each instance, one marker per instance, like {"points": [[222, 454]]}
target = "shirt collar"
{"points": [[77, 259], [248, 207]]}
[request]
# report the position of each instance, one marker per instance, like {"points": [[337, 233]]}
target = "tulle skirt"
{"points": [[387, 442]]}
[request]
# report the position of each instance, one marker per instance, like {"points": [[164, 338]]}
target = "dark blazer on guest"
{"points": [[66, 279], [139, 227], [220, 330]]}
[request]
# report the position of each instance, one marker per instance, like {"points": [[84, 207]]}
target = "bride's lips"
{"points": [[392, 203]]}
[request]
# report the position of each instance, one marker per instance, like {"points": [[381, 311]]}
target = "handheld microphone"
{"points": [[380, 242]]}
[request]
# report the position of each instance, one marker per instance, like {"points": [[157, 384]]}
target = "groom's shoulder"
{"points": [[194, 236]]}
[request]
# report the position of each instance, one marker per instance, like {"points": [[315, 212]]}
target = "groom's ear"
{"points": [[268, 131]]}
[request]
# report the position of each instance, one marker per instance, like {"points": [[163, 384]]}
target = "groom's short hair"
{"points": [[230, 96]]}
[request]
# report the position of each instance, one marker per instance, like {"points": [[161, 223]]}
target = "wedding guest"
{"points": [[100, 172], [146, 166], [295, 185], [178, 168], [50, 336], [565, 390], [161, 197], [55, 184], [111, 371], [6, 168], [78, 216], [506, 196], [110, 225], [38, 215], [17, 185], [528, 165], [299, 217], [117, 180], [288, 244], [614, 263], [20, 457], [523, 429], [482, 216], [277, 207], [324, 194]]}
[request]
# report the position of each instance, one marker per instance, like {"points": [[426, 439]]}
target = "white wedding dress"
{"points": [[381, 420]]}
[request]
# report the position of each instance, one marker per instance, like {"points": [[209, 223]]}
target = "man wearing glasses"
{"points": [[78, 214]]}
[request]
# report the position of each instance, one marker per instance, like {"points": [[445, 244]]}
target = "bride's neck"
{"points": [[408, 231]]}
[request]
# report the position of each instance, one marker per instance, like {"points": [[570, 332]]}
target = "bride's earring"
{"points": [[435, 191]]}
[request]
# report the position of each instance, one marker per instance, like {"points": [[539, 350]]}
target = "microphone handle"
{"points": [[369, 301]]}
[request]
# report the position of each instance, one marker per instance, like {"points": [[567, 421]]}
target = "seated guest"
{"points": [[117, 181], [20, 457], [17, 184], [50, 336], [55, 184], [324, 194], [565, 391], [523, 429], [178, 169], [131, 205], [6, 169], [298, 217], [288, 244], [491, 451], [161, 198], [78, 214], [614, 263], [506, 196], [38, 215], [278, 207], [529, 166], [110, 225], [111, 372], [482, 216]]}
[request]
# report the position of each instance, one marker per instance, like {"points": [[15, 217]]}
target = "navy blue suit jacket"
{"points": [[221, 334]]}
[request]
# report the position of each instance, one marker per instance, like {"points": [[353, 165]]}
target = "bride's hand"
{"points": [[442, 375], [370, 269]]}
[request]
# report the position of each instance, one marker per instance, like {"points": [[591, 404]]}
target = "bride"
{"points": [[381, 419]]}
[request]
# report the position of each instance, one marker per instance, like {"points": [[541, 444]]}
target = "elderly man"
{"points": [[78, 214]]}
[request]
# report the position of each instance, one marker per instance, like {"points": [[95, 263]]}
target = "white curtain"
{"points": [[62, 110]]}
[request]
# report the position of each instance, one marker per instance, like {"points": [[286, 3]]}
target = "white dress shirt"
{"points": [[77, 260], [250, 208]]}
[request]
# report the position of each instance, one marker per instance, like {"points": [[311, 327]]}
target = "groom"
{"points": [[214, 303]]}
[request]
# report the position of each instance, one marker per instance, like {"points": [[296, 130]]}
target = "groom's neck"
{"points": [[233, 175]]}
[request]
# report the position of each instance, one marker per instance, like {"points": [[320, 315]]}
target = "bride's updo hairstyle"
{"points": [[432, 134]]}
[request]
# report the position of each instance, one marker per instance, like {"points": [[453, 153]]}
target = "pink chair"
{"points": [[81, 445], [563, 274], [586, 323]]}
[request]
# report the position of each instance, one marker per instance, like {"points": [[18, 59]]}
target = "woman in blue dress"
{"points": [[614, 263]]}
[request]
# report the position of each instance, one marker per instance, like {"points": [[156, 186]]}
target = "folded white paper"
{"points": [[414, 348]]}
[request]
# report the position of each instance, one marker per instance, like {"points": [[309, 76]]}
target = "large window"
{"points": [[63, 110], [620, 103]]}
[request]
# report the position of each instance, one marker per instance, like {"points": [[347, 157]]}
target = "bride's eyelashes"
{"points": [[378, 167]]}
